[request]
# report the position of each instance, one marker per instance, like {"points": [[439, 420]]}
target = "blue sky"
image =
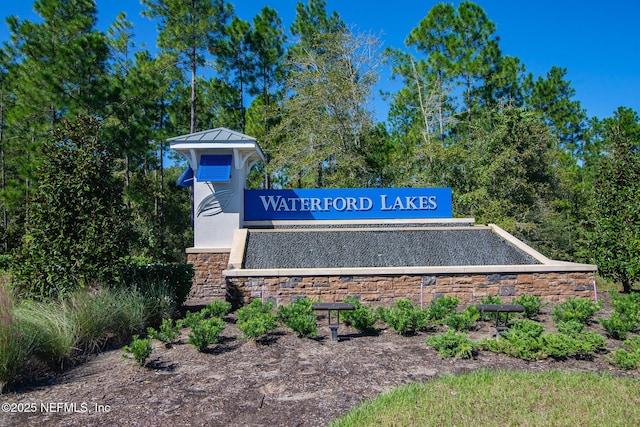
{"points": [[598, 42]]}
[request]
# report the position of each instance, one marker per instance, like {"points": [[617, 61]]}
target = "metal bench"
{"points": [[500, 308], [333, 306]]}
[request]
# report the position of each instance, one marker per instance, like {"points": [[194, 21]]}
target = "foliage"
{"points": [[405, 318], [363, 318], [463, 320], [442, 307], [167, 332], [139, 349], [578, 309], [624, 359], [171, 280], [77, 224], [298, 316], [616, 234], [526, 340], [218, 308], [452, 344], [15, 347], [256, 319], [205, 332], [531, 303], [618, 326]]}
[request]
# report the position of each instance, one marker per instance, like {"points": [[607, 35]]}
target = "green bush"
{"points": [[139, 349], [624, 359], [256, 319], [531, 303], [463, 320], [171, 281], [167, 332], [571, 328], [363, 318], [627, 305], [442, 307], [453, 344], [633, 343], [205, 332], [618, 326], [578, 309], [218, 308], [525, 340], [405, 318], [298, 316]]}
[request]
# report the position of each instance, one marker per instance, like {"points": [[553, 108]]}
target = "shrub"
{"points": [[218, 308], [167, 332], [362, 318], [404, 318], [487, 316], [205, 332], [139, 349], [531, 303], [624, 359], [578, 309], [526, 340], [256, 319], [463, 320], [170, 281], [442, 307], [571, 328], [452, 344], [194, 317], [298, 316], [617, 325]]}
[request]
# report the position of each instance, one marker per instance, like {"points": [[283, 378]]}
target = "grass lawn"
{"points": [[499, 398]]}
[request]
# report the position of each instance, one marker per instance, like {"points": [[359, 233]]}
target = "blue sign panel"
{"points": [[347, 203]]}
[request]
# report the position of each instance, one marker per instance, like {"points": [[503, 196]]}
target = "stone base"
{"points": [[208, 282], [385, 290]]}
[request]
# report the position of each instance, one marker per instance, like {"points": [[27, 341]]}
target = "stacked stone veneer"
{"points": [[208, 281], [385, 290]]}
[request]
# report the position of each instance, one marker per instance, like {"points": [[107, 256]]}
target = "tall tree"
{"points": [[190, 29], [326, 112], [616, 236], [77, 230]]}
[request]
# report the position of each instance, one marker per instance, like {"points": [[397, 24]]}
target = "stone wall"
{"points": [[384, 290], [208, 282]]}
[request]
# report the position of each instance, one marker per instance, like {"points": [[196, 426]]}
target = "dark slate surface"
{"points": [[380, 248], [381, 225]]}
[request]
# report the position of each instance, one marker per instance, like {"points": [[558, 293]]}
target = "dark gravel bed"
{"points": [[380, 248]]}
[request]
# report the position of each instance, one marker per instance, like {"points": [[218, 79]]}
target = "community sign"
{"points": [[347, 204]]}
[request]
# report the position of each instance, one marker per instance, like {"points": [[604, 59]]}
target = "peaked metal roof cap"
{"points": [[215, 138]]}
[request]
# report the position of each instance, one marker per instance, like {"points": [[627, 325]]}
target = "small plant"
{"points": [[442, 307], [578, 309], [624, 359], [194, 317], [633, 343], [463, 320], [618, 326], [362, 318], [139, 349], [298, 316], [531, 303], [571, 328], [167, 332], [404, 318], [218, 308], [205, 332], [256, 319], [453, 344]]}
